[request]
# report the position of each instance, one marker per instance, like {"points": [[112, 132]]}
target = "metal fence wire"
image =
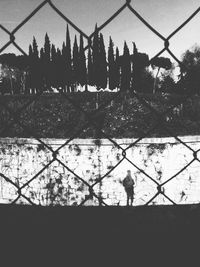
{"points": [[91, 118]]}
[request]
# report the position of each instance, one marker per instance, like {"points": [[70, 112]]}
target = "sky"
{"points": [[164, 15]]}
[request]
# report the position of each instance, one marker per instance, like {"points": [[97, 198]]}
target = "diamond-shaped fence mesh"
{"points": [[73, 172]]}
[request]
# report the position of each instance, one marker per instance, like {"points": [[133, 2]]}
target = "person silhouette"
{"points": [[128, 184]]}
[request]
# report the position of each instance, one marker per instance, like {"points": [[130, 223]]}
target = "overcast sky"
{"points": [[164, 15]]}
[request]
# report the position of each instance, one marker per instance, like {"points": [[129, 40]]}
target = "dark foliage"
{"points": [[54, 117], [52, 69], [125, 69]]}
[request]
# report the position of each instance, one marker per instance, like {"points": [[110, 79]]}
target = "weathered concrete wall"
{"points": [[160, 158]]}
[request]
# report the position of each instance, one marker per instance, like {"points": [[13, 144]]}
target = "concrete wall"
{"points": [[159, 158]]}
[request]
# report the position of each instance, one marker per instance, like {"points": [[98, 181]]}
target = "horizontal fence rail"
{"points": [[59, 178]]}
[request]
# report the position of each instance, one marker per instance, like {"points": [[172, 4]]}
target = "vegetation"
{"points": [[58, 116], [190, 76], [50, 69]]}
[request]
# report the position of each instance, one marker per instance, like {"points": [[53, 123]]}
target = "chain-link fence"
{"points": [[60, 179]]}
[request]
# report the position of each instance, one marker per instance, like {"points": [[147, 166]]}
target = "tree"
{"points": [[160, 62], [125, 69], [82, 64], [13, 72], [146, 81], [7, 73], [42, 66], [190, 76], [54, 70], [30, 51], [29, 78], [140, 61], [35, 49], [47, 59], [167, 84], [22, 70], [102, 77], [60, 64], [47, 49], [191, 58], [75, 63], [96, 56], [53, 53], [35, 68], [117, 69], [42, 54], [64, 50], [90, 69], [111, 66], [68, 61]]}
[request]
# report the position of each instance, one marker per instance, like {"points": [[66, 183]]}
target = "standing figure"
{"points": [[128, 184]]}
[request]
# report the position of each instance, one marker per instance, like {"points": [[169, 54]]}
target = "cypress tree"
{"points": [[42, 57], [135, 83], [102, 64], [139, 63], [111, 66], [125, 70], [35, 49], [59, 54], [34, 79], [53, 53], [117, 69], [60, 70], [54, 69], [96, 56], [64, 50], [42, 66], [37, 67], [30, 52], [47, 49], [75, 64], [90, 70], [82, 64], [68, 60], [135, 50], [29, 74], [65, 62], [47, 59]]}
